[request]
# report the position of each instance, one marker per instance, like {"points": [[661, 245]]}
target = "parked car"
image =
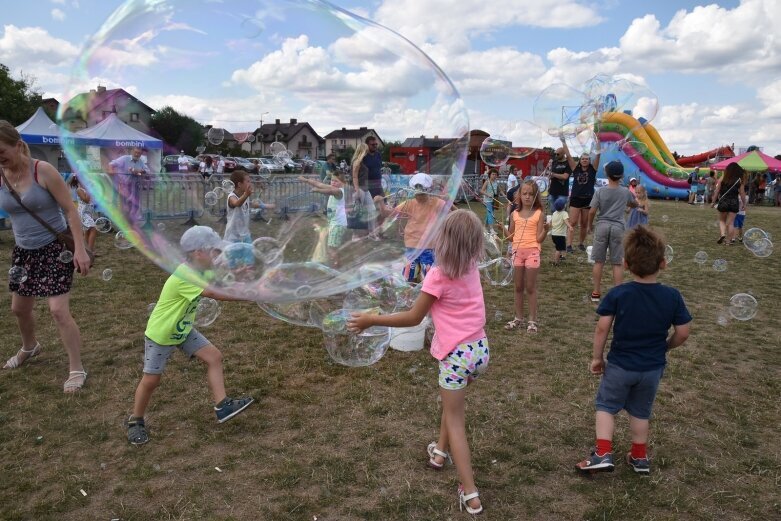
{"points": [[244, 164], [171, 163], [230, 165], [271, 165]]}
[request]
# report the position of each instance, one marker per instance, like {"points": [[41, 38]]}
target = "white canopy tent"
{"points": [[42, 136], [112, 138]]}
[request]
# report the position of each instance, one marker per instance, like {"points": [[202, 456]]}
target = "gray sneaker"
{"points": [[639, 465], [230, 407], [136, 431]]}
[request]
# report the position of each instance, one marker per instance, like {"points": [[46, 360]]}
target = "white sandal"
{"points": [[463, 500], [71, 385], [15, 362], [433, 451]]}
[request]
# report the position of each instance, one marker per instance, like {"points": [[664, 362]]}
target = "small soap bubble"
{"points": [[65, 257], [665, 218], [720, 265], [17, 275], [107, 274], [210, 199], [207, 312], [215, 136], [160, 227], [742, 306], [700, 257], [228, 185], [669, 253], [121, 241], [103, 225], [498, 316], [722, 319]]}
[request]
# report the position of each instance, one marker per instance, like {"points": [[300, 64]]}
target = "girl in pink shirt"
{"points": [[527, 231], [452, 293]]}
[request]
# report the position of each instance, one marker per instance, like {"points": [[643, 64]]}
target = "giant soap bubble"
{"points": [[226, 64]]}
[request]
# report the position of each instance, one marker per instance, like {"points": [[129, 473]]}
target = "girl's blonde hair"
{"points": [[10, 136], [360, 153], [459, 245], [537, 204], [641, 192]]}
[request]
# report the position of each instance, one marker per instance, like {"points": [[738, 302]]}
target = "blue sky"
{"points": [[714, 67]]}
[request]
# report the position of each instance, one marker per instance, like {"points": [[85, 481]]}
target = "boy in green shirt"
{"points": [[171, 326]]}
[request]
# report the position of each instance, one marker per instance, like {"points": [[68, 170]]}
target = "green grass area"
{"points": [[334, 443]]}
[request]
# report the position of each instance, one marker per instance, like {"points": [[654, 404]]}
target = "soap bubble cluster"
{"points": [[294, 267], [758, 242]]}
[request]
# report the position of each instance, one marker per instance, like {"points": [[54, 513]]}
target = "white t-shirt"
{"points": [[512, 181], [237, 228], [183, 164], [337, 215], [220, 166]]}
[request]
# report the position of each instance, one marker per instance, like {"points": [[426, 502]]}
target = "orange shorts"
{"points": [[527, 257]]}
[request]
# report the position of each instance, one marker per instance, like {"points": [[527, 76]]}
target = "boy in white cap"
{"points": [[419, 212], [171, 326]]}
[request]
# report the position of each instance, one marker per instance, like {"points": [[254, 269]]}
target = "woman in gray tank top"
{"points": [[36, 268]]}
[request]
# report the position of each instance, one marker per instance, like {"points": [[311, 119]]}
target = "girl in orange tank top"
{"points": [[527, 231]]}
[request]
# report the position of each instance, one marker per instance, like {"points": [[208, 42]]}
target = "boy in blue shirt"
{"points": [[171, 326], [641, 313]]}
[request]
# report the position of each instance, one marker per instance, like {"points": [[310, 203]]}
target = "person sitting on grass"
{"points": [[640, 313], [171, 326], [610, 202]]}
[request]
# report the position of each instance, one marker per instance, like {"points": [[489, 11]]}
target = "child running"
{"points": [[640, 313], [527, 231], [335, 209], [171, 326], [453, 294], [610, 202], [559, 226], [639, 215]]}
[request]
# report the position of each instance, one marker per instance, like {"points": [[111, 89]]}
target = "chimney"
{"points": [[101, 89], [293, 121], [436, 136], [362, 128], [344, 129], [276, 121]]}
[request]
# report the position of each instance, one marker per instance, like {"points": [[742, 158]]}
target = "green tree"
{"points": [[19, 99], [177, 130], [386, 149]]}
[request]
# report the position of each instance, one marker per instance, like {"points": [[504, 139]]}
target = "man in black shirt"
{"points": [[559, 178]]}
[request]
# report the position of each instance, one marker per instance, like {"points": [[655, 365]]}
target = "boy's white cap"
{"points": [[201, 238], [632, 179], [422, 179]]}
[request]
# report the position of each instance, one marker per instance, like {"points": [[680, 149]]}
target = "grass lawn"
{"points": [[327, 442]]}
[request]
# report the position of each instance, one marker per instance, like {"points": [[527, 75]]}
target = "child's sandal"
{"points": [[532, 327], [136, 432], [433, 452], [513, 324]]}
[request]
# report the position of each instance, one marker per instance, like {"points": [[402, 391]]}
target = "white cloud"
{"points": [[58, 14], [26, 46], [770, 96], [709, 39], [60, 2]]}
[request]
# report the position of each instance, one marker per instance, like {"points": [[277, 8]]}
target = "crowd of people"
{"points": [[639, 313]]}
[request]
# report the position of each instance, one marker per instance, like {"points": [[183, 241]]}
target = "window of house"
{"points": [[134, 116]]}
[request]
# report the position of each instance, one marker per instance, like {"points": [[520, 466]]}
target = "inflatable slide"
{"points": [[650, 160]]}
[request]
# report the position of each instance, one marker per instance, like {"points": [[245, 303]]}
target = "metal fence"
{"points": [[175, 196]]}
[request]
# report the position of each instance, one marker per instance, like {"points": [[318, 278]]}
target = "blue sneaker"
{"points": [[597, 463], [639, 465], [230, 407]]}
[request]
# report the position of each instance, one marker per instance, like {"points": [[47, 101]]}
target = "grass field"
{"points": [[327, 442]]}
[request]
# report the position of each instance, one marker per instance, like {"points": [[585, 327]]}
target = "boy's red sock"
{"points": [[603, 447], [639, 450]]}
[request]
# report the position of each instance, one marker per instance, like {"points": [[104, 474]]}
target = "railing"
{"points": [[175, 196]]}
